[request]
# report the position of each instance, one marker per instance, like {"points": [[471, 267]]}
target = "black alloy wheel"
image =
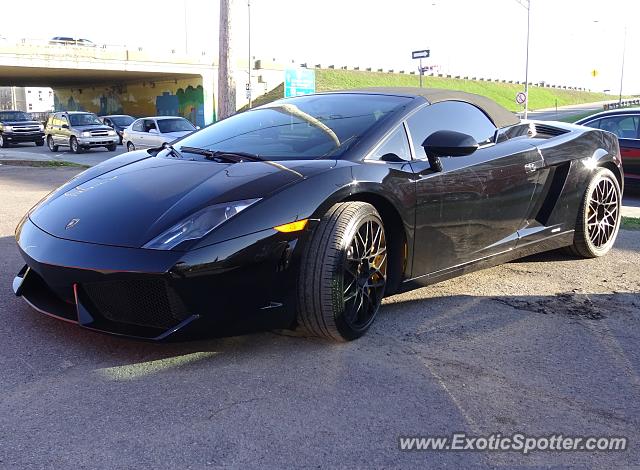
{"points": [[343, 273], [599, 216]]}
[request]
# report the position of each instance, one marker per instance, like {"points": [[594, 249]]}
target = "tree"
{"points": [[226, 84]]}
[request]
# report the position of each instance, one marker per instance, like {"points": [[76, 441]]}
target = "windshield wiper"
{"points": [[217, 155], [171, 150]]}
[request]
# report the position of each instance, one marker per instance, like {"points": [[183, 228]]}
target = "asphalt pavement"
{"points": [[28, 151], [540, 346]]}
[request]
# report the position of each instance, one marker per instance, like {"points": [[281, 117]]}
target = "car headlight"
{"points": [[7, 128], [198, 224], [86, 134], [111, 133]]}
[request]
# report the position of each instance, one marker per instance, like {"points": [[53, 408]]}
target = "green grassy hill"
{"points": [[502, 93]]}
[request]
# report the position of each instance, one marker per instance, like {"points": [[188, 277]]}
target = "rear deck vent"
{"points": [[544, 130]]}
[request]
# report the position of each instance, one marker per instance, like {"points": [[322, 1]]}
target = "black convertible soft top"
{"points": [[500, 116]]}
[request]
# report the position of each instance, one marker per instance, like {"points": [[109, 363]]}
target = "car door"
{"points": [[474, 207], [136, 132], [627, 128], [155, 137], [63, 133]]}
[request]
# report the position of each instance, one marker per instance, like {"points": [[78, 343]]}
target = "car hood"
{"points": [[175, 135], [20, 123], [91, 128], [130, 205]]}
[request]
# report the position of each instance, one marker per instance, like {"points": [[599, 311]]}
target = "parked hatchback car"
{"points": [[18, 126], [625, 123], [155, 131], [79, 131], [118, 122]]}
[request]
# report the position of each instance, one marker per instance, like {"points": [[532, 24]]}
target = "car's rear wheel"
{"points": [[343, 273], [3, 142], [52, 146], [599, 216], [130, 147], [74, 146], [39, 143]]}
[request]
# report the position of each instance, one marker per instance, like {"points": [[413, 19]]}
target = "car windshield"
{"points": [[14, 116], [175, 125], [122, 120], [85, 119], [305, 127]]}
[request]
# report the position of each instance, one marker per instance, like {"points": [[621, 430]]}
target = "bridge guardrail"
{"points": [[621, 104]]}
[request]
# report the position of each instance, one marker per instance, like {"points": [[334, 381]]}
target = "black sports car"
{"points": [[306, 212]]}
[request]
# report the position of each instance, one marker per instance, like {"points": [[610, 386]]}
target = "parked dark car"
{"points": [[118, 122], [18, 126], [625, 123], [306, 212]]}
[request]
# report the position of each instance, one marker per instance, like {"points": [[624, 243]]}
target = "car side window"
{"points": [[397, 143], [149, 124], [449, 115], [595, 124], [625, 127], [138, 126]]}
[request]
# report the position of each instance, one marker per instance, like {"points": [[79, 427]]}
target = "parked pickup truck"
{"points": [[17, 126]]}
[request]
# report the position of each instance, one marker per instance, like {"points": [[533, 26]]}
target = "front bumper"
{"points": [[98, 141], [239, 285], [23, 136]]}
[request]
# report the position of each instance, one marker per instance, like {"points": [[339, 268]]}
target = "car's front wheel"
{"points": [[74, 146], [343, 273], [112, 147], [51, 144], [3, 142], [39, 143], [130, 147], [599, 216]]}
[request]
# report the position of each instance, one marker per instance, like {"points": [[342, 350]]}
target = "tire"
{"points": [[3, 143], [112, 148], [130, 147], [343, 273], [74, 146], [39, 143], [52, 146], [598, 217]]}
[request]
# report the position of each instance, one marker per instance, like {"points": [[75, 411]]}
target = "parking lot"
{"points": [[28, 151], [539, 346]]}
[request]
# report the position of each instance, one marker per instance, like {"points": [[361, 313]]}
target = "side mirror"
{"points": [[392, 158], [153, 131], [448, 144], [197, 127], [65, 126]]}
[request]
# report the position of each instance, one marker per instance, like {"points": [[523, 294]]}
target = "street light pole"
{"points": [[624, 48], [526, 72], [186, 31]]}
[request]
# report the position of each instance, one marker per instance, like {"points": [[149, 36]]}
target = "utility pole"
{"points": [[250, 64], [226, 84]]}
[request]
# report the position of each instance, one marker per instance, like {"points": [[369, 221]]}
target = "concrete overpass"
{"points": [[113, 79]]}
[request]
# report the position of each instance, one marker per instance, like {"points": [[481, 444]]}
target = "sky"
{"points": [[569, 39]]}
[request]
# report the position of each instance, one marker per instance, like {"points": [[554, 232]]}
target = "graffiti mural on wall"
{"points": [[167, 98]]}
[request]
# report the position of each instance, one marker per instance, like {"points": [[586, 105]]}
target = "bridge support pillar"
{"points": [[209, 87]]}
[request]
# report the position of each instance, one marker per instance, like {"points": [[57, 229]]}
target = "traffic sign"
{"points": [[299, 82], [424, 54], [521, 97]]}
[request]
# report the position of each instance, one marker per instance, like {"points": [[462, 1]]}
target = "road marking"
{"points": [[142, 369]]}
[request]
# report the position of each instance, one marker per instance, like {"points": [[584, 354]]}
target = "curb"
{"points": [[42, 163]]}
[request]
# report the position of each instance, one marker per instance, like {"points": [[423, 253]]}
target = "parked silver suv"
{"points": [[79, 131]]}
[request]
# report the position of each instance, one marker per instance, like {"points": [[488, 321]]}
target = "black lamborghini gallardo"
{"points": [[306, 212]]}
